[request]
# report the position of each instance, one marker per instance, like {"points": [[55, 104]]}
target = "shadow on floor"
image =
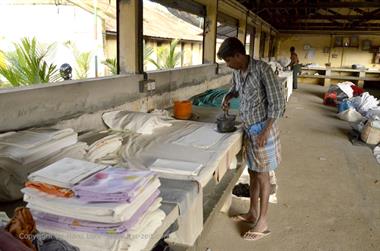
{"points": [[318, 93]]}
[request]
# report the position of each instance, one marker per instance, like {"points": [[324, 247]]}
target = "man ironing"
{"points": [[261, 105]]}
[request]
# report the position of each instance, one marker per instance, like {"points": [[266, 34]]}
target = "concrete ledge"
{"points": [[45, 104], [79, 104]]}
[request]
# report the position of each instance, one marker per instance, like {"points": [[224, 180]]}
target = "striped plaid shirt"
{"points": [[261, 94]]}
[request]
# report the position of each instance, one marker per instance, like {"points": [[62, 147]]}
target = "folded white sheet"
{"points": [[137, 122], [14, 175], [18, 148], [204, 137], [103, 147], [75, 208], [346, 88], [66, 172], [33, 137], [176, 167], [134, 240]]}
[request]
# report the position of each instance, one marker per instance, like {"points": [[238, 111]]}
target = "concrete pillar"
{"points": [[130, 36], [361, 78], [267, 42], [242, 30], [209, 52], [256, 50]]}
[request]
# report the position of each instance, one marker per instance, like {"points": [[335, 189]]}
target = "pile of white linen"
{"points": [[96, 224], [24, 152]]}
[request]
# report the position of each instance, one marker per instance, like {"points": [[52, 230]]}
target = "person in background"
{"points": [[295, 66], [261, 105]]}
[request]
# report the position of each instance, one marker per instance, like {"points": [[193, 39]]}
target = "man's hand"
{"points": [[262, 138], [226, 102]]}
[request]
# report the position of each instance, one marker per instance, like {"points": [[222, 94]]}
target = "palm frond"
{"points": [[111, 64], [27, 64]]}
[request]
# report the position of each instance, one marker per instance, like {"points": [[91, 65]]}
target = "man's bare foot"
{"points": [[248, 217]]}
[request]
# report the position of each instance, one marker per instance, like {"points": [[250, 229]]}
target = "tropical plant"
{"points": [[82, 60], [167, 58], [27, 64], [2, 59], [111, 64], [148, 51]]}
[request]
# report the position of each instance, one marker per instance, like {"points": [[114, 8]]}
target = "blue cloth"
{"points": [[47, 242], [344, 105], [268, 157]]}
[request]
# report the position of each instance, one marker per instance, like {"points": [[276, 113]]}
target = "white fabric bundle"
{"points": [[28, 146], [176, 167], [376, 153], [103, 148], [364, 103], [66, 172], [73, 207], [134, 240], [14, 175], [137, 122], [346, 88], [350, 115]]}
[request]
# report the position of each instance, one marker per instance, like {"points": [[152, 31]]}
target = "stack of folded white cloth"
{"points": [[24, 152], [110, 208], [176, 167], [103, 147]]}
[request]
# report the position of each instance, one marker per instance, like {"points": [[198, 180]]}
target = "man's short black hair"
{"points": [[230, 47], [292, 48]]}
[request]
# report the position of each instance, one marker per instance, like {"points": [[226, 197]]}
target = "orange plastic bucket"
{"points": [[182, 109]]}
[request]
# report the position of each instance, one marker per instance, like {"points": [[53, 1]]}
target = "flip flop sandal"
{"points": [[240, 217], [255, 236]]}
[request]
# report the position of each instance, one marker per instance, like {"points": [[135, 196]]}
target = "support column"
{"points": [[256, 51], [361, 78], [242, 30], [209, 52], [130, 36], [267, 42]]}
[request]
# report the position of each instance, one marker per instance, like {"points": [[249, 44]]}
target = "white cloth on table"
{"points": [[142, 150], [137, 122], [176, 167], [33, 137], [134, 240], [346, 88], [204, 137], [104, 147], [14, 174], [75, 208], [66, 172], [28, 146]]}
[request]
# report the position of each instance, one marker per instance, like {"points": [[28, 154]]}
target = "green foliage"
{"points": [[82, 60], [148, 51], [111, 64], [167, 58], [27, 64]]}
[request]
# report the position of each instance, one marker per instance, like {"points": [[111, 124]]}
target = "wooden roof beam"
{"points": [[319, 5]]}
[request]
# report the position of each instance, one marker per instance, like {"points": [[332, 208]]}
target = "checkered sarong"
{"points": [[268, 157]]}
